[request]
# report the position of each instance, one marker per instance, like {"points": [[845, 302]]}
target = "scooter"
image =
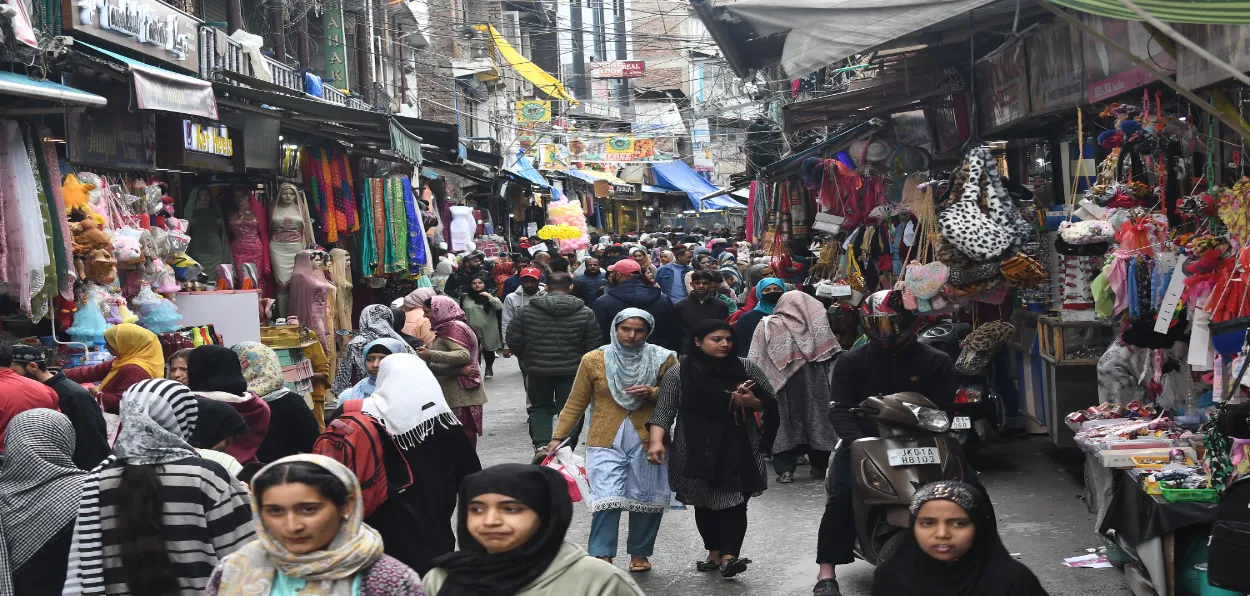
{"points": [[914, 448], [977, 413]]}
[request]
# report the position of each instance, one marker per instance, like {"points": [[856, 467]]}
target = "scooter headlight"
{"points": [[930, 418]]}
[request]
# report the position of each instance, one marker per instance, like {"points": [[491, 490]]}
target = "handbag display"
{"points": [[1021, 271], [975, 233]]}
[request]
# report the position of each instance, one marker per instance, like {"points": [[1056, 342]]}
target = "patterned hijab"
{"points": [[626, 367], [447, 320], [376, 321], [798, 332], [329, 571], [261, 369]]}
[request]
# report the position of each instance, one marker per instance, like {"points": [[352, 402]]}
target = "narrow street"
{"points": [[1036, 494]]}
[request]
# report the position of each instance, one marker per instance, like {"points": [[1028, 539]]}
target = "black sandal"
{"points": [[702, 566], [734, 566]]}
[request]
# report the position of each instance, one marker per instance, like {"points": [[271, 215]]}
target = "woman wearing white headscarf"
{"points": [[622, 380]]}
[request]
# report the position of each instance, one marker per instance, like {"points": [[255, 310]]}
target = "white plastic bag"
{"points": [[573, 467]]}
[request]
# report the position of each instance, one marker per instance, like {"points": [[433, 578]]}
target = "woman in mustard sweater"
{"points": [[622, 379]]}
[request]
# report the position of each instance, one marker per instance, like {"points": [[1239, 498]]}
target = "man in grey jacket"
{"points": [[551, 336], [515, 303]]}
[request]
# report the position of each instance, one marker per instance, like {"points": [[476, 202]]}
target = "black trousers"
{"points": [[788, 461], [489, 357], [835, 542], [723, 530]]}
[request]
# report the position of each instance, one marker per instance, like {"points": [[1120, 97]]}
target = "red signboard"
{"points": [[618, 69], [1109, 73], [1003, 86]]}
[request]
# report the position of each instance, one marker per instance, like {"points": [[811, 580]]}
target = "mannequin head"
{"points": [[203, 198], [287, 196], [241, 197], [321, 260]]}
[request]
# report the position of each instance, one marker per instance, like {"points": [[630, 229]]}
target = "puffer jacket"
{"points": [[553, 333], [635, 294]]}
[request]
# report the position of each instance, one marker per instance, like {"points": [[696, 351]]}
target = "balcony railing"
{"points": [[218, 52]]}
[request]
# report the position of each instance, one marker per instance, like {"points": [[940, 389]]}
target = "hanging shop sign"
{"points": [[1003, 86], [148, 27], [169, 92], [553, 156], [110, 137], [1109, 73], [336, 46], [588, 109], [618, 69], [173, 150], [533, 110], [620, 149], [1226, 42], [212, 139], [1056, 68]]}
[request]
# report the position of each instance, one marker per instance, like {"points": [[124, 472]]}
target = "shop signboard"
{"points": [[618, 69], [169, 92], [1230, 43], [599, 150], [214, 140], [111, 137], [1056, 68], [588, 109], [336, 45], [533, 110], [620, 148], [1109, 73], [1003, 86], [175, 151], [701, 145], [148, 27]]}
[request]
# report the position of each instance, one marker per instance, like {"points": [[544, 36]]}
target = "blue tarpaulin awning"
{"points": [[24, 86], [677, 175], [525, 169]]}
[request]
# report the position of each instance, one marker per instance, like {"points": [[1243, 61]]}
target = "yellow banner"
{"points": [[532, 73], [533, 110]]}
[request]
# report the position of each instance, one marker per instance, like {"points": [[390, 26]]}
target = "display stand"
{"points": [[234, 314]]}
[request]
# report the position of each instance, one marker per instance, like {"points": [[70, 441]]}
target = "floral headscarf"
{"points": [[261, 369]]}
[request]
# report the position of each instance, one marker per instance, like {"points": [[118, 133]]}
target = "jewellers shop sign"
{"points": [[145, 26]]}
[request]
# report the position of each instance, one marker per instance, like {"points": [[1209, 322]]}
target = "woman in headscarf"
{"points": [[298, 429], [747, 298], [216, 426], [640, 256], [729, 270], [376, 321], [398, 320], [666, 257], [953, 549], [176, 366], [330, 552], [622, 380], [416, 523], [482, 312], [717, 454], [453, 360], [137, 356], [161, 498], [214, 372], [512, 522], [415, 306], [504, 269], [768, 291], [796, 349], [374, 353], [39, 491]]}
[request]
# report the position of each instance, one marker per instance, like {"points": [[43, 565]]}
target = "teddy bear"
{"points": [[100, 267], [76, 193], [87, 235]]}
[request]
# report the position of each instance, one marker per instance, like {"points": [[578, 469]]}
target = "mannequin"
{"points": [[249, 234], [310, 300], [206, 225], [341, 277], [291, 230]]}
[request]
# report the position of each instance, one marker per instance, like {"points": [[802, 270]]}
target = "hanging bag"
{"points": [[972, 231], [925, 276]]}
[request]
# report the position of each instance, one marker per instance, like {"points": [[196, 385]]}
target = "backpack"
{"points": [[1230, 539], [355, 440]]}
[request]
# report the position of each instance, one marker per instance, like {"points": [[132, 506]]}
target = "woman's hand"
{"points": [[656, 454], [743, 396], [639, 391], [553, 445], [468, 370], [423, 353]]}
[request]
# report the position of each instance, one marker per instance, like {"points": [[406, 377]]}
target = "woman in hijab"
{"points": [[666, 257], [622, 380], [729, 270], [504, 269], [331, 552], [717, 455], [160, 498], [640, 256], [747, 298], [376, 321], [39, 491], [482, 312], [216, 426], [953, 549], [214, 372], [512, 522], [137, 356], [415, 307], [796, 349], [769, 291], [453, 360], [298, 429], [416, 523], [374, 353]]}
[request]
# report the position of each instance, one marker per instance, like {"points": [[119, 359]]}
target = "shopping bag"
{"points": [[573, 467]]}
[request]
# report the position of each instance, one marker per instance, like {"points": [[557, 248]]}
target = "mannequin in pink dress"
{"points": [[290, 231], [249, 237], [310, 300]]}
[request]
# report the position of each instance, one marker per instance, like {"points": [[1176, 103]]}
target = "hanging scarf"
{"points": [[368, 236], [418, 254], [409, 401], [134, 345], [448, 320], [397, 226], [66, 275], [330, 571], [766, 307], [626, 367], [797, 333], [261, 369]]}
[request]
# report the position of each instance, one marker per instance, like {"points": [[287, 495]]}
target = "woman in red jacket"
{"points": [[137, 357]]}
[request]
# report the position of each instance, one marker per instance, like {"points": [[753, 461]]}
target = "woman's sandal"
{"points": [[639, 566], [607, 560], [702, 566], [734, 566]]}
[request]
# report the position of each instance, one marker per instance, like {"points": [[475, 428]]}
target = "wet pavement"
{"points": [[1035, 488]]}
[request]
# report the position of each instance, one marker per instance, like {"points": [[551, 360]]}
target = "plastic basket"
{"points": [[1203, 495]]}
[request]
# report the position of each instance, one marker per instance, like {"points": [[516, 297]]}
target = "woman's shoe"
{"points": [[490, 372], [639, 566], [785, 477], [702, 566], [733, 566]]}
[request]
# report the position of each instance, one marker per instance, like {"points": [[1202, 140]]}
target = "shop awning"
{"points": [[164, 90], [678, 175], [24, 86], [525, 169], [658, 190]]}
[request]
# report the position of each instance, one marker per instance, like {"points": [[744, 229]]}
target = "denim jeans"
{"points": [[605, 527]]}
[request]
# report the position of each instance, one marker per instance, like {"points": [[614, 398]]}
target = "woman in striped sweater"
{"points": [[172, 516]]}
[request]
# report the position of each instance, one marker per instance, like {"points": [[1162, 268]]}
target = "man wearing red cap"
{"points": [[516, 302]]}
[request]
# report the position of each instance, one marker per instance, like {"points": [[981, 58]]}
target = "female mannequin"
{"points": [[341, 277], [249, 234], [310, 300], [206, 225], [321, 263], [291, 230]]}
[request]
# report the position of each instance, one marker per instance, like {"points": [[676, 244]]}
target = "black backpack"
{"points": [[1230, 539]]}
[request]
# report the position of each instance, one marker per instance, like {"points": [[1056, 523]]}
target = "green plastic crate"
{"points": [[1203, 495]]}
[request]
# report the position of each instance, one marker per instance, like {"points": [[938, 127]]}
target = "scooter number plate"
{"points": [[913, 456], [961, 423]]}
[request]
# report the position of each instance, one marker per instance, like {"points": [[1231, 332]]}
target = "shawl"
{"points": [[51, 164], [798, 332], [398, 259], [22, 217], [418, 255], [261, 370], [39, 486], [409, 401], [134, 345], [448, 320], [368, 238], [376, 322], [472, 571], [626, 367], [366, 385], [329, 571], [763, 306], [341, 278], [262, 223]]}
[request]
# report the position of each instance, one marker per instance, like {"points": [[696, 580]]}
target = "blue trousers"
{"points": [[605, 526]]}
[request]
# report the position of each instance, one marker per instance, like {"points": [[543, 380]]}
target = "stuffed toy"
{"points": [[65, 310], [87, 235], [127, 250], [75, 192], [100, 267]]}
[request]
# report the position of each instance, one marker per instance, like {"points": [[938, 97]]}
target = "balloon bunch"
{"points": [[564, 213]]}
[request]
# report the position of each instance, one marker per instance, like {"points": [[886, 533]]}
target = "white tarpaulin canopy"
{"points": [[822, 32]]}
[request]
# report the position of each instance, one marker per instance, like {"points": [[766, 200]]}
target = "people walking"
{"points": [[716, 463], [700, 305], [296, 429], [795, 347], [640, 255], [512, 521], [769, 291], [374, 353], [953, 548], [671, 277], [627, 289], [453, 360], [91, 444], [137, 356], [214, 372], [481, 309], [408, 401], [376, 321], [472, 266], [620, 384], [161, 497], [41, 486], [594, 279], [515, 303], [18, 394], [415, 306], [552, 335], [330, 548]]}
